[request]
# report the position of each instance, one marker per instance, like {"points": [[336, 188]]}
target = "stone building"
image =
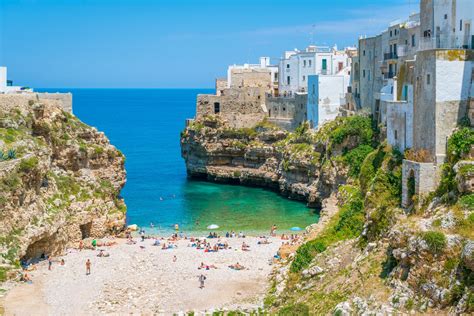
{"points": [[241, 107], [438, 85], [378, 60], [287, 112], [262, 75], [415, 78], [240, 98]]}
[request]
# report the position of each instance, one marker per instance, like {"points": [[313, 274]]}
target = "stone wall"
{"points": [[287, 112], [251, 78], [63, 100], [240, 107], [221, 85], [425, 175]]}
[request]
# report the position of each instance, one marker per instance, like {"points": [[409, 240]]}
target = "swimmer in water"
{"points": [[151, 225]]}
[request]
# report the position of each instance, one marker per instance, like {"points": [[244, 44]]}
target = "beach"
{"points": [[145, 279]]}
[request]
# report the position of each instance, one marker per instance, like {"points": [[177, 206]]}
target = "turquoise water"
{"points": [[145, 125]]}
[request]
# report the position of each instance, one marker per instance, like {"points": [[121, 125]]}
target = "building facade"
{"points": [[326, 95], [296, 66]]}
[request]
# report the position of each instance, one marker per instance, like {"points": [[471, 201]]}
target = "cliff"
{"points": [[298, 165], [369, 255], [60, 181]]}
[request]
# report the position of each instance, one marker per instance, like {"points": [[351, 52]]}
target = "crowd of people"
{"points": [[212, 243]]}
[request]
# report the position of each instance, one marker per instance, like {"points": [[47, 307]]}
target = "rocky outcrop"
{"points": [[264, 156], [59, 182]]}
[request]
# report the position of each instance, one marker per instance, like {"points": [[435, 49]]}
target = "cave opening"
{"points": [[39, 250], [86, 230]]}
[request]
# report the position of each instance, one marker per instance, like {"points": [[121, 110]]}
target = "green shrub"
{"points": [[26, 165], [355, 157], [353, 126], [11, 154], [298, 309], [3, 274], [459, 144], [436, 241], [347, 224]]}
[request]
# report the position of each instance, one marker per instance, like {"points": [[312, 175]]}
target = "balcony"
{"points": [[392, 55]]}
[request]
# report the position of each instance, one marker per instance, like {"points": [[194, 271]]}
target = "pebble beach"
{"points": [[144, 279]]}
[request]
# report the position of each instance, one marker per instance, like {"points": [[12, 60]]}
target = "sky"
{"points": [[173, 43]]}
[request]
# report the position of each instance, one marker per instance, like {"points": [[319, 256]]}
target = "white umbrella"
{"points": [[213, 226]]}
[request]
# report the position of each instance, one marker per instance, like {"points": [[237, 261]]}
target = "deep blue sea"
{"points": [[145, 124]]}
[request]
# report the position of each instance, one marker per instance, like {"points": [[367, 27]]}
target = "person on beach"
{"points": [[88, 267], [50, 263], [202, 278], [81, 245], [273, 230], [175, 258], [63, 262]]}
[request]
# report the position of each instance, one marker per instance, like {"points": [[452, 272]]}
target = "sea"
{"points": [[145, 124]]}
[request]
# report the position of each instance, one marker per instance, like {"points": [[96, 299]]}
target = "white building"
{"points": [[6, 86], [297, 66], [447, 24], [326, 95]]}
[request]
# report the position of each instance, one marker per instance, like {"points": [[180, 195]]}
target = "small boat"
{"points": [[213, 226], [295, 229], [176, 227]]}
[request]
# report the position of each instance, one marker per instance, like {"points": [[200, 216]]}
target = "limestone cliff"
{"points": [[297, 165], [368, 255], [59, 181]]}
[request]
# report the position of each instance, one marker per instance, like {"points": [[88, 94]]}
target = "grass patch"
{"points": [[436, 241]]}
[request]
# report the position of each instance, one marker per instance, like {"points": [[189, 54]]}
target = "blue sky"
{"points": [[170, 44]]}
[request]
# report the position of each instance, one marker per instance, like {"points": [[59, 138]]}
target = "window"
{"points": [[396, 135], [304, 63], [325, 64], [445, 16], [363, 73], [309, 62], [284, 109], [428, 79], [391, 33], [304, 78], [217, 107], [460, 25], [363, 52], [340, 66], [314, 89], [288, 66], [368, 74], [288, 80], [413, 42]]}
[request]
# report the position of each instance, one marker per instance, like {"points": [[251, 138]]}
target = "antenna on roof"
{"points": [[312, 34]]}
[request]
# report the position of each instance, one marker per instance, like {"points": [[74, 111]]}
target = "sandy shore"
{"points": [[146, 280]]}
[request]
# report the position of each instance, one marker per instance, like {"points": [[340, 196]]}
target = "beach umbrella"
{"points": [[213, 226], [295, 229]]}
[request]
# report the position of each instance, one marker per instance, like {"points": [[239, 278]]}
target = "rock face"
{"points": [[264, 156], [59, 182]]}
